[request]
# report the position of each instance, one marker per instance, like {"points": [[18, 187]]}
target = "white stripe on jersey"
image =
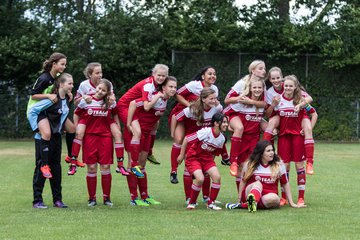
{"points": [[195, 88]]}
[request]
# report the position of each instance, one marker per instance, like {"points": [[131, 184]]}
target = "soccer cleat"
{"points": [[46, 171], [309, 168], [122, 170], [137, 172], [283, 202], [40, 205], [79, 164], [173, 178], [233, 205], [301, 202], [191, 206], [138, 202], [68, 159], [72, 169], [153, 160], [60, 204], [92, 203], [234, 169], [206, 200], [108, 202], [150, 200], [212, 206], [251, 203], [225, 162], [187, 201]]}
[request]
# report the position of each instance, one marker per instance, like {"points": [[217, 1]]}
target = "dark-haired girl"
{"points": [[260, 179], [204, 145], [42, 89]]}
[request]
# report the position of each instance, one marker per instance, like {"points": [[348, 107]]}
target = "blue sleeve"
{"points": [[35, 110]]}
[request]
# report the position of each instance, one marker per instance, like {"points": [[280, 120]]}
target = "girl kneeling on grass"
{"points": [[260, 177], [204, 145], [97, 142]]}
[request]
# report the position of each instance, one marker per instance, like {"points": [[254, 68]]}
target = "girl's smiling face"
{"points": [[101, 91], [275, 78]]}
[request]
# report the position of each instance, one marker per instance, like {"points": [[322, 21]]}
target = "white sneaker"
{"points": [[205, 200], [191, 206], [213, 207]]}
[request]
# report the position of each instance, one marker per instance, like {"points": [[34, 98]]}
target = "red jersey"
{"points": [[97, 119], [263, 174], [190, 122], [205, 144], [290, 121], [142, 90]]}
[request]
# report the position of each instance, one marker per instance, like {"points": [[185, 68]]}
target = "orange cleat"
{"points": [[283, 202], [46, 171], [234, 169], [309, 168], [68, 159], [301, 202]]}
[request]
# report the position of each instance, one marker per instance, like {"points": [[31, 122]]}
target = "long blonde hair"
{"points": [[197, 107], [250, 76]]}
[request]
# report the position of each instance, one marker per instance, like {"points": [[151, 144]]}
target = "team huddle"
{"points": [[197, 124]]}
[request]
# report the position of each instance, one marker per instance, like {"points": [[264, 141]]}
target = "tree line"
{"points": [[129, 37]]}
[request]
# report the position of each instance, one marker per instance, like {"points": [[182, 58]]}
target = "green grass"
{"points": [[332, 196]]}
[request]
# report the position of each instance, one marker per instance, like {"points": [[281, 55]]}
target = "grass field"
{"points": [[332, 196]]}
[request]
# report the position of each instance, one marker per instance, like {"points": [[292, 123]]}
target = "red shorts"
{"points": [[98, 149], [291, 148], [145, 142], [228, 111], [194, 163], [123, 114], [248, 143]]}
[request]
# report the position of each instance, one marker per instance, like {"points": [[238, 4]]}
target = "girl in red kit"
{"points": [[144, 90], [202, 146], [291, 142], [147, 117], [86, 90], [251, 118], [195, 117], [260, 179], [97, 142], [238, 95], [185, 95], [272, 98]]}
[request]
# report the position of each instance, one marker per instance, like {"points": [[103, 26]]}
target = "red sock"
{"points": [[257, 194], [76, 146], [175, 152], [91, 181], [142, 183], [132, 182], [244, 205], [195, 190], [134, 151], [153, 137], [187, 184], [268, 135], [206, 186], [224, 153], [235, 149], [301, 182], [106, 184], [215, 188], [309, 150], [119, 150]]}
